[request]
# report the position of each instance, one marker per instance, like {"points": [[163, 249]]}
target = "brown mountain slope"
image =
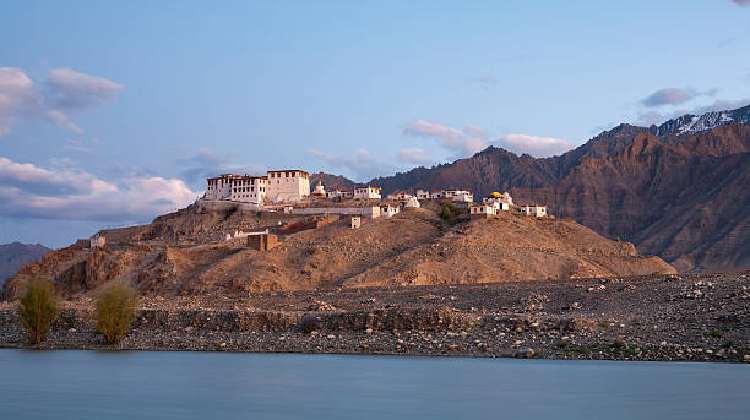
{"points": [[415, 247], [685, 201], [679, 197]]}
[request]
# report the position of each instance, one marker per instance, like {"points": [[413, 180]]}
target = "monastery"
{"points": [[289, 191]]}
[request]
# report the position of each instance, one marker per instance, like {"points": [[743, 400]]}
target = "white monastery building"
{"points": [[220, 188], [365, 193], [249, 189], [288, 186]]}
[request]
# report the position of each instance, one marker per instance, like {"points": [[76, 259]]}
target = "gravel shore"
{"points": [[698, 318]]}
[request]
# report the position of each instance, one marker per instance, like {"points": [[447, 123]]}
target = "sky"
{"points": [[114, 112]]}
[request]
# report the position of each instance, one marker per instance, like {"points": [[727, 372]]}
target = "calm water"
{"points": [[188, 385]]}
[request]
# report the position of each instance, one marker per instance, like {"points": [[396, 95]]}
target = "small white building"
{"points": [[499, 201], [288, 186], [535, 211], [459, 196], [412, 202], [423, 195], [479, 211], [437, 194], [387, 210], [365, 193], [399, 195]]}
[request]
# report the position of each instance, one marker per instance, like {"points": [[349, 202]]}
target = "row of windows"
{"points": [[249, 189]]}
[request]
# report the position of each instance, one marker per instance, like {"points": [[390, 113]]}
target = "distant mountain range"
{"points": [[15, 255], [680, 190]]}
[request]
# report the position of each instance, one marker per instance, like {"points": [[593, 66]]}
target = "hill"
{"points": [[185, 253], [15, 255], [677, 190]]}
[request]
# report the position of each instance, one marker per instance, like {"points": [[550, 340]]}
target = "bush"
{"points": [[116, 310], [445, 214], [38, 309], [604, 324], [717, 333]]}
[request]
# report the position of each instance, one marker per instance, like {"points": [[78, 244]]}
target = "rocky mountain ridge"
{"points": [[676, 190]]}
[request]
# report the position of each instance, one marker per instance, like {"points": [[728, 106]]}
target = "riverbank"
{"points": [[699, 318]]}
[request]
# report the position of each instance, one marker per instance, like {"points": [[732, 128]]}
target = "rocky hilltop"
{"points": [[186, 254], [15, 255], [678, 190]]}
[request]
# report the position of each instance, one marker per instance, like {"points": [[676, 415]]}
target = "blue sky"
{"points": [[111, 113]]}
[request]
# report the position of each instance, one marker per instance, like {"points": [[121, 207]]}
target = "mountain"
{"points": [[696, 123], [15, 255], [332, 182], [678, 190]]}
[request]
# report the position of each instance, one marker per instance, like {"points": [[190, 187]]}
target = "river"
{"points": [[78, 384]]}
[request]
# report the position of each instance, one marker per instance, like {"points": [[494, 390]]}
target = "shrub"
{"points": [[38, 309], [116, 310], [717, 333], [445, 214], [604, 324]]}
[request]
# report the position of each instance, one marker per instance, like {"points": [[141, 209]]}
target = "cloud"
{"points": [[207, 163], [32, 192], [65, 93], [414, 156], [465, 142], [70, 89], [362, 165], [741, 3], [674, 96], [535, 146]]}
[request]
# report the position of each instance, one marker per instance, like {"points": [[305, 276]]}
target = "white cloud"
{"points": [[362, 165], [65, 93], [30, 191], [466, 142], [414, 156], [535, 146]]}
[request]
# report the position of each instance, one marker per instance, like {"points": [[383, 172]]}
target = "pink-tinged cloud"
{"points": [[31, 191], [535, 146], [465, 142], [65, 93], [414, 156]]}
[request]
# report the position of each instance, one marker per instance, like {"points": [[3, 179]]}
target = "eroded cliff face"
{"points": [[412, 248]]}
